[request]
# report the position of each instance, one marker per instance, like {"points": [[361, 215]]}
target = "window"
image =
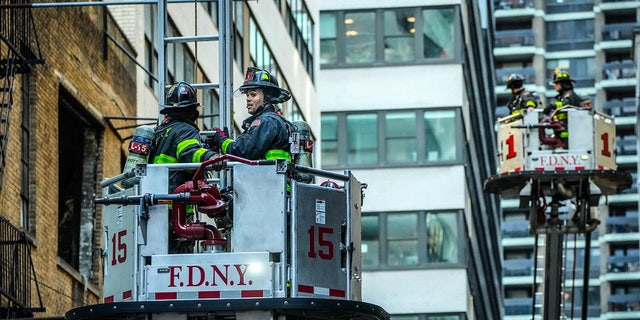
{"points": [[399, 28], [25, 158], [439, 33], [580, 32], [388, 36], [401, 137], [329, 140], [180, 62], [150, 52], [328, 39], [360, 40], [399, 240], [79, 160], [402, 239], [391, 138], [362, 143], [300, 26], [581, 69], [210, 109]]}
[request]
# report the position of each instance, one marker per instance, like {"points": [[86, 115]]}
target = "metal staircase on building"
{"points": [[19, 53]]}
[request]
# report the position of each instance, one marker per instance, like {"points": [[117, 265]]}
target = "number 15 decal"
{"points": [[325, 247], [119, 248]]}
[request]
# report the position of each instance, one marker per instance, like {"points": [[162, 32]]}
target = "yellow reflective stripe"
{"points": [[277, 154], [564, 134], [163, 158], [558, 104], [225, 145], [530, 104], [560, 116], [198, 155], [516, 111], [184, 144]]}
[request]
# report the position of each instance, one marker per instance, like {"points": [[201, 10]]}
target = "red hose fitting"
{"points": [[557, 127], [209, 201]]}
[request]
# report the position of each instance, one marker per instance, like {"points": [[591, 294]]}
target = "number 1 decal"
{"points": [[605, 145], [512, 149]]}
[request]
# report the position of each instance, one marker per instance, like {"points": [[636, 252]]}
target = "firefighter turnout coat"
{"points": [[265, 136]]}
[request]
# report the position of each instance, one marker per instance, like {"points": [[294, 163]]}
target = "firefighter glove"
{"points": [[216, 140]]}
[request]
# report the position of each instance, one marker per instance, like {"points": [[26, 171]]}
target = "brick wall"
{"points": [[71, 42]]}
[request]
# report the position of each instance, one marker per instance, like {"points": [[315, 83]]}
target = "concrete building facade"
{"points": [[405, 94]]}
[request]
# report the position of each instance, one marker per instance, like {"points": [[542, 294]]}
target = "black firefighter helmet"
{"points": [[515, 81], [256, 78], [179, 97]]}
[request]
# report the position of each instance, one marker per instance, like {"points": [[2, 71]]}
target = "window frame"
{"points": [[421, 160], [379, 60], [421, 237]]}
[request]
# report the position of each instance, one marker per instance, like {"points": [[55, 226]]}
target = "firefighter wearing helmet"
{"points": [[265, 133], [521, 99], [563, 84], [177, 138]]}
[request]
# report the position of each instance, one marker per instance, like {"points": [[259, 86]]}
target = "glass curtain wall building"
{"points": [[592, 39], [405, 92]]}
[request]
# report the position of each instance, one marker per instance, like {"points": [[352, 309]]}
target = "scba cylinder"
{"points": [[302, 149], [139, 147]]}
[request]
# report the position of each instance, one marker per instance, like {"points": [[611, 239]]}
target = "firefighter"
{"points": [[265, 133], [563, 84], [521, 99], [177, 138]]}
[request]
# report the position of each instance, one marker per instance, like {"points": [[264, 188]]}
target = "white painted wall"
{"points": [[342, 4], [401, 189], [443, 290], [385, 88]]}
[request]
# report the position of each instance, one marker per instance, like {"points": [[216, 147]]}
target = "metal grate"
{"points": [[17, 275]]}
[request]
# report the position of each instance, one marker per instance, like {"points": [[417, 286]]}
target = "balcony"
{"points": [[574, 44], [513, 4], [514, 45], [517, 267], [517, 306], [592, 311], [514, 38], [617, 31], [622, 224], [624, 69], [620, 264], [18, 284], [502, 75], [616, 5], [515, 229], [625, 302], [569, 6], [625, 107]]}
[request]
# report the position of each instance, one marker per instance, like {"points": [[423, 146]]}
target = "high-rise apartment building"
{"points": [[405, 91], [593, 41]]}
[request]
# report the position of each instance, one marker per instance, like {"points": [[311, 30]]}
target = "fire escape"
{"points": [[19, 52]]}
